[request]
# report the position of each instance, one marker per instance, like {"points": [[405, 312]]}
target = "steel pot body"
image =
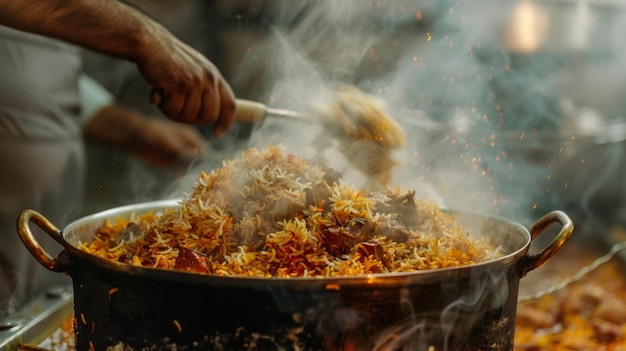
{"points": [[466, 308]]}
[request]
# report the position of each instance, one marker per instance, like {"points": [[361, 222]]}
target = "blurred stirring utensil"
{"points": [[352, 115], [255, 112], [356, 119], [247, 111]]}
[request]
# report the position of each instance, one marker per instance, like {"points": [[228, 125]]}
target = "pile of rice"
{"points": [[272, 214]]}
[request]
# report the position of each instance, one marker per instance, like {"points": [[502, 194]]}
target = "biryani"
{"points": [[268, 213], [366, 134]]}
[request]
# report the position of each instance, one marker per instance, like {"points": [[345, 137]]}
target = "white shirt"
{"points": [[39, 95], [41, 155]]}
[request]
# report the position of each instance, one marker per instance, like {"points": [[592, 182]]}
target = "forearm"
{"points": [[115, 125], [159, 142], [192, 88], [107, 26]]}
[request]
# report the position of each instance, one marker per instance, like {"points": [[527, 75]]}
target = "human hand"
{"points": [[168, 144], [190, 87], [158, 141]]}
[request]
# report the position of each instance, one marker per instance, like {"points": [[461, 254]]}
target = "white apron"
{"points": [[41, 155]]}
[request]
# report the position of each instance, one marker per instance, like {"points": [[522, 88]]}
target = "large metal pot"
{"points": [[466, 308]]}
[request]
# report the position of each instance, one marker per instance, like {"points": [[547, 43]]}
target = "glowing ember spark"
{"points": [[178, 326]]}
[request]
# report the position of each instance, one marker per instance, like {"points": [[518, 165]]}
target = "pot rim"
{"points": [[518, 257]]}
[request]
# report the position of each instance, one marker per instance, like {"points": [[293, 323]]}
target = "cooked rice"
{"points": [[254, 217], [366, 134]]}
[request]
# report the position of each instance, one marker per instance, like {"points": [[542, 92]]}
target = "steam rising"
{"points": [[439, 84], [434, 63], [484, 93], [489, 82]]}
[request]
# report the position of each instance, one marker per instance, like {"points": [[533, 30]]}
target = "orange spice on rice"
{"points": [[271, 214]]}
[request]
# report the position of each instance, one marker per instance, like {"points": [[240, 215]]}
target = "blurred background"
{"points": [[513, 108]]}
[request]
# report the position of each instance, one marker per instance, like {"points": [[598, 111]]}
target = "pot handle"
{"points": [[531, 262], [33, 246]]}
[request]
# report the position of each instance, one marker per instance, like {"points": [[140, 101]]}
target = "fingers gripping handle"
{"points": [[250, 111], [246, 111]]}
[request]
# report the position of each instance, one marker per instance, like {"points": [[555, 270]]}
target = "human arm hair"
{"points": [[107, 26], [192, 88]]}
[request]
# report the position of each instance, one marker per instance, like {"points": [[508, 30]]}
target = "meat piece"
{"points": [[251, 232], [371, 248], [284, 205], [267, 227], [130, 233], [192, 261], [125, 258], [390, 227], [404, 207], [338, 242], [318, 195], [359, 228]]}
